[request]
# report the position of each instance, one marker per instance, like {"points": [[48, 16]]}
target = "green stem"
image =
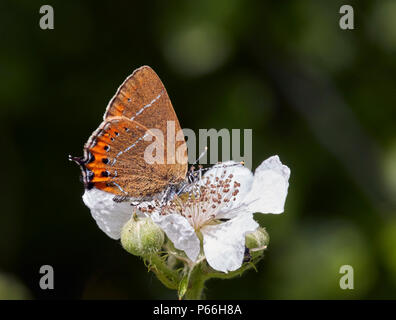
{"points": [[202, 272], [196, 283], [166, 275]]}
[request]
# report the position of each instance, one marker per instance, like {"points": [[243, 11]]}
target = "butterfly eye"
{"points": [[116, 133], [126, 129]]}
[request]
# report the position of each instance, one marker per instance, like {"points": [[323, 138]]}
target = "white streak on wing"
{"points": [[131, 146], [147, 105], [119, 187], [119, 153], [127, 149]]}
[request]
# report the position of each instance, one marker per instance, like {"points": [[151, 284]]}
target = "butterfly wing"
{"points": [[119, 162], [114, 156], [142, 97]]}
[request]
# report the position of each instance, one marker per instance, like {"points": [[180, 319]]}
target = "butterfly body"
{"points": [[115, 156]]}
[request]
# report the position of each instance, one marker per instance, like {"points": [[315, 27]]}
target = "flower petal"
{"points": [[224, 244], [180, 232], [240, 174], [269, 188], [108, 214]]}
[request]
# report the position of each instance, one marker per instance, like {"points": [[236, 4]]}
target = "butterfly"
{"points": [[115, 155]]}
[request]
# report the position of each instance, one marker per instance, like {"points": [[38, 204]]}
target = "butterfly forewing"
{"points": [[143, 98]]}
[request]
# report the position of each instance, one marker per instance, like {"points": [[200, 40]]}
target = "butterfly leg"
{"points": [[119, 199]]}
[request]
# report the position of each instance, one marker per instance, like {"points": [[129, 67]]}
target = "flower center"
{"points": [[204, 200]]}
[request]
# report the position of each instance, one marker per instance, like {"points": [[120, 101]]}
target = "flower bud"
{"points": [[258, 239], [141, 237]]}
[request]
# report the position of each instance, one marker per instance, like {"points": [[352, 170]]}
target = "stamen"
{"points": [[204, 199]]}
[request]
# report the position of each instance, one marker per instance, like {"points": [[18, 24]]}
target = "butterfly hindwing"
{"points": [[118, 148]]}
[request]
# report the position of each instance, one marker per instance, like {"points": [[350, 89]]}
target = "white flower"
{"points": [[108, 214], [217, 209], [220, 208]]}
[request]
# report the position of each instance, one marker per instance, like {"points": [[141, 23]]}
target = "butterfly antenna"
{"points": [[201, 155], [192, 174]]}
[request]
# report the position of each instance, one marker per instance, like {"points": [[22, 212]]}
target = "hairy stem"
{"points": [[196, 283], [167, 276]]}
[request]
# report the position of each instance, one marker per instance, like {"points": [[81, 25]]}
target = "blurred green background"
{"points": [[321, 98]]}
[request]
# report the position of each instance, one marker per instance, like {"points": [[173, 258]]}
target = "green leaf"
{"points": [[183, 286]]}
